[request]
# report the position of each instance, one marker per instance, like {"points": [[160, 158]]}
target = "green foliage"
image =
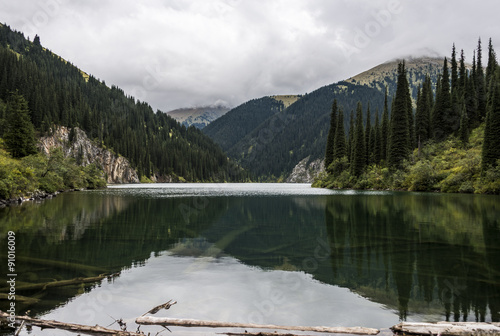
{"points": [[330, 141], [446, 166], [19, 132], [491, 146], [399, 135], [22, 177], [145, 179], [358, 160], [339, 150]]}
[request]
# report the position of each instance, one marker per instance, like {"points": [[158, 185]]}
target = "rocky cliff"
{"points": [[116, 168], [305, 171]]}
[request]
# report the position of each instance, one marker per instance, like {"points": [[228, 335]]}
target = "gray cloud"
{"points": [[184, 53]]}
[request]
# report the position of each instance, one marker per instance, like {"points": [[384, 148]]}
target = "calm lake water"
{"points": [[281, 254]]}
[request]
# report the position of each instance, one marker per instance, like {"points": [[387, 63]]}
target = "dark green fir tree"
{"points": [[358, 161], [399, 137], [330, 140], [340, 149], [19, 133], [384, 130], [480, 86], [491, 144]]}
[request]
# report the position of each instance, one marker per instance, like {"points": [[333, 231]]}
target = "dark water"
{"points": [[261, 253]]}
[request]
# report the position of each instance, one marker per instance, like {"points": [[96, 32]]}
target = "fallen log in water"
{"points": [[447, 328], [86, 270], [165, 321], [78, 328], [19, 298], [50, 284]]}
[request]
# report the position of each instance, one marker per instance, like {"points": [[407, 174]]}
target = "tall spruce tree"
{"points": [[399, 137], [454, 73], [351, 137], [479, 84], [358, 148], [340, 150], [463, 132], [331, 134], [445, 122], [492, 63], [19, 134], [384, 129], [491, 144], [462, 74], [377, 144], [368, 134], [422, 116]]}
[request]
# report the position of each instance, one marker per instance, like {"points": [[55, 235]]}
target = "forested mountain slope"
{"points": [[271, 147], [241, 120], [58, 93]]}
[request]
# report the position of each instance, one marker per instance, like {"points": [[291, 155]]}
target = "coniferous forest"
{"points": [[39, 90], [447, 140]]}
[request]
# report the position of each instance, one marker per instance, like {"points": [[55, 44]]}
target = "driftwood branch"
{"points": [[447, 328], [77, 328], [164, 321], [156, 309]]}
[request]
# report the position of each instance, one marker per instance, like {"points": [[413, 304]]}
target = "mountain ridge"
{"points": [[199, 116], [307, 120]]}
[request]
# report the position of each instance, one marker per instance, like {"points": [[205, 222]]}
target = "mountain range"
{"points": [[198, 117], [270, 138]]}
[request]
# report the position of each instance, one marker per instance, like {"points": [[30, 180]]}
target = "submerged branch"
{"points": [[77, 328], [61, 283]]}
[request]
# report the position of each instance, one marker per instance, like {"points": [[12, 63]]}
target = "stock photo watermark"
{"points": [[11, 278], [363, 36], [47, 10]]}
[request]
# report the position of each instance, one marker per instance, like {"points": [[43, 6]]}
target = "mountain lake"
{"points": [[284, 254]]}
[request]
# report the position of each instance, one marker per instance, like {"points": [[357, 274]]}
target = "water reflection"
{"points": [[421, 252], [425, 256]]}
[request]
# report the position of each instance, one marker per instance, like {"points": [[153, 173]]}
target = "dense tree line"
{"points": [[237, 123], [58, 93], [464, 100], [273, 148]]}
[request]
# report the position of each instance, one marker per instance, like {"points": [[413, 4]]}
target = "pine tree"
{"points": [[331, 134], [491, 144], [492, 63], [422, 117], [470, 102], [463, 74], [454, 73], [479, 84], [368, 134], [351, 137], [445, 122], [359, 149], [19, 134], [399, 137], [464, 126], [377, 143], [340, 149], [384, 130]]}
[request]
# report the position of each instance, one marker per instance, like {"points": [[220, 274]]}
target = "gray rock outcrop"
{"points": [[305, 171], [117, 168]]}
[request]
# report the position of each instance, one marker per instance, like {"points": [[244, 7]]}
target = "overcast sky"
{"points": [[184, 53]]}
